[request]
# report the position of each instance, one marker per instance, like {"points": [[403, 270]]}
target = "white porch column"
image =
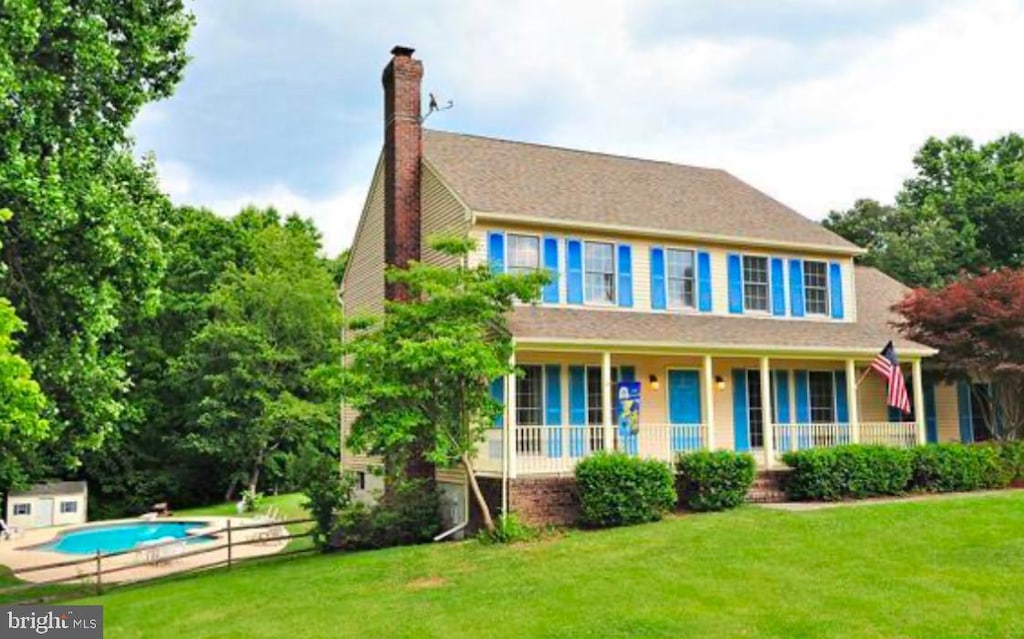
{"points": [[852, 401], [922, 436], [606, 400], [709, 402], [510, 419], [768, 427]]}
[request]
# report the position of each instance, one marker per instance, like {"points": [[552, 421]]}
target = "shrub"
{"points": [[715, 480], [616, 489], [327, 493], [960, 467], [408, 513], [852, 471], [251, 500], [509, 530], [1012, 454]]}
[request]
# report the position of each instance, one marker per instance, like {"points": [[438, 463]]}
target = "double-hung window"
{"points": [[822, 397], [599, 276], [755, 283], [816, 287], [68, 507], [679, 281], [530, 408], [523, 254]]}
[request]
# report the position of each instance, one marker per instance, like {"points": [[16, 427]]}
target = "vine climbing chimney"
{"points": [[403, 148]]}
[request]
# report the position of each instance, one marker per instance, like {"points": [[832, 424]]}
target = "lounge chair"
{"points": [[7, 532]]}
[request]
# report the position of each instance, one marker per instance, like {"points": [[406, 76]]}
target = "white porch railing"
{"points": [[788, 437], [557, 449], [899, 434]]}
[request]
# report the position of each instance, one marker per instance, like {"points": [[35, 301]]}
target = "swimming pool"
{"points": [[118, 537]]}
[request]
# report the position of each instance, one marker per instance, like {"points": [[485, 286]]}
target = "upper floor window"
{"points": [[816, 287], [822, 397], [523, 254], [679, 280], [755, 283], [599, 270]]}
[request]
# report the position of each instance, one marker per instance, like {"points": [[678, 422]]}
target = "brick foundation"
{"points": [[537, 501]]}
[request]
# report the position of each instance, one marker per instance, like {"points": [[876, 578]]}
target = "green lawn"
{"points": [[289, 506], [949, 568]]}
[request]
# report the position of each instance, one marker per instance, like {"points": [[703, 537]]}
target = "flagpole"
{"points": [[862, 376]]}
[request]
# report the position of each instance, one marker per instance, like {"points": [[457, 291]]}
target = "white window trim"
{"points": [[508, 249], [68, 502], [743, 284], [543, 395], [828, 288], [696, 280], [615, 273], [835, 395]]}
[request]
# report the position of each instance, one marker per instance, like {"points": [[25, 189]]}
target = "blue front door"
{"points": [[684, 409]]}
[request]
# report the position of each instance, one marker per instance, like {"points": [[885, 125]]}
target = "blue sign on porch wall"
{"points": [[627, 398]]}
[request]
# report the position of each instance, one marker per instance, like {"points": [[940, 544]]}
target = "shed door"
{"points": [[44, 516]]}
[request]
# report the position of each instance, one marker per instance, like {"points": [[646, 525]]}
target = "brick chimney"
{"points": [[403, 147]]}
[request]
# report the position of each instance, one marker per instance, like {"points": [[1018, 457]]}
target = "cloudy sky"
{"points": [[816, 102]]}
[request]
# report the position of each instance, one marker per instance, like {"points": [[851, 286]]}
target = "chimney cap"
{"points": [[402, 52]]}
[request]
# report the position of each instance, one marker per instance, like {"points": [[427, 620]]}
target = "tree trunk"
{"points": [[481, 502], [229, 495], [254, 477]]}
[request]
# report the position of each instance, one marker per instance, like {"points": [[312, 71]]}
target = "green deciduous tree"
{"points": [[259, 369], [22, 428], [419, 377], [963, 210], [83, 250]]}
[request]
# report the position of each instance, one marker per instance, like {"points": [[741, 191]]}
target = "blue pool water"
{"points": [[118, 537]]}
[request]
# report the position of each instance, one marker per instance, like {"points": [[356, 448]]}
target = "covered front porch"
{"points": [[563, 406]]}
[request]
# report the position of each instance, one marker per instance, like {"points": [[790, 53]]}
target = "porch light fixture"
{"points": [[655, 384], [719, 382]]}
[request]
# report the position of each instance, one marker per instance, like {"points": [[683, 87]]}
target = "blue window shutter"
{"points": [[796, 288], [803, 404], [551, 265], [574, 271], [627, 373], [835, 287], [740, 416], [842, 406], [658, 278], [553, 410], [778, 287], [704, 282], [893, 414], [625, 267], [498, 395], [931, 424], [782, 406], [735, 269], [577, 410], [963, 396], [496, 251]]}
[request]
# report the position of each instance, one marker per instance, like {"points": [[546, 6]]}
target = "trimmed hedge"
{"points": [[844, 472], [616, 489], [944, 468], [716, 480], [857, 471]]}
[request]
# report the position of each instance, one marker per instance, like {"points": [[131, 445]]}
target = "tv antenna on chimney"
{"points": [[433, 108]]}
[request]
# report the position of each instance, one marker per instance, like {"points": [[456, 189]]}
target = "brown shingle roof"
{"points": [[515, 178], [52, 488], [876, 292]]}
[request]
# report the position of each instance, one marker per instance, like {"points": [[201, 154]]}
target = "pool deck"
{"points": [[23, 552]]}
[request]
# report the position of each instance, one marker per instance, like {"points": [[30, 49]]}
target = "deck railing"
{"points": [[789, 437], [557, 449]]}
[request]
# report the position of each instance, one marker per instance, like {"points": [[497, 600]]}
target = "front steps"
{"points": [[767, 488]]}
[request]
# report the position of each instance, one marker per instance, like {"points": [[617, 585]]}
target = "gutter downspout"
{"points": [[451, 531]]}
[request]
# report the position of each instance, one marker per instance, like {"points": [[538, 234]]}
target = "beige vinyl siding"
{"points": [[947, 412], [641, 249], [872, 395], [442, 214]]}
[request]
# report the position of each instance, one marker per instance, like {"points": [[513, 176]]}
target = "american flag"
{"points": [[886, 365]]}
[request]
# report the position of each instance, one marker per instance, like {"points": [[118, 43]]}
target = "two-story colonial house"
{"points": [[747, 324]]}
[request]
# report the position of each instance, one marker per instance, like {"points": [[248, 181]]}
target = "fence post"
{"points": [[229, 544], [99, 573]]}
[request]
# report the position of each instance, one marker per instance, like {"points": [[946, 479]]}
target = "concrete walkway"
{"points": [[23, 551], [806, 506]]}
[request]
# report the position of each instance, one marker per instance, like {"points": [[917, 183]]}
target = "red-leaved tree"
{"points": [[977, 324]]}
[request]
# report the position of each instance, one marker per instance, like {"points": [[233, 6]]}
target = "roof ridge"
{"points": [[555, 147]]}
